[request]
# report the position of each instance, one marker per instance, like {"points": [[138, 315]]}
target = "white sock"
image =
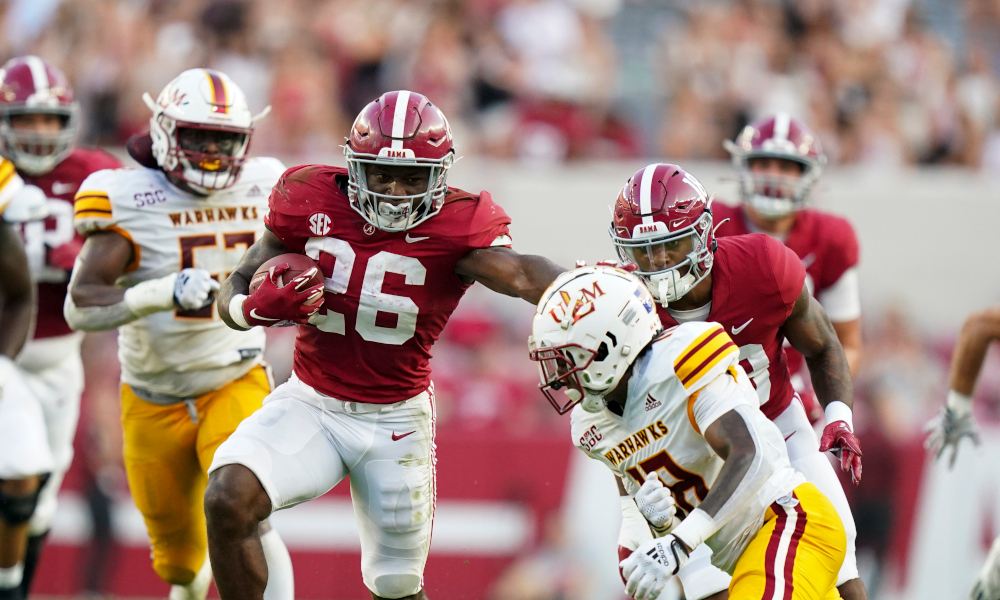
{"points": [[280, 579], [197, 589], [10, 577]]}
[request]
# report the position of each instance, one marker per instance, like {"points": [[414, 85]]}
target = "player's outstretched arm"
{"points": [[849, 334], [507, 272], [955, 421], [17, 293], [809, 331]]}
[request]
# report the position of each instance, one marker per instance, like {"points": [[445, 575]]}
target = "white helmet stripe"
{"points": [[645, 193], [399, 119], [781, 124], [38, 74]]}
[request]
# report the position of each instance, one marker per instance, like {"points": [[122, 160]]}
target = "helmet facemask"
{"points": [[204, 172], [33, 152], [648, 250], [389, 212]]}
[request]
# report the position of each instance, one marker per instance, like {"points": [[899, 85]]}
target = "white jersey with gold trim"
{"points": [[180, 353], [662, 423], [11, 183]]}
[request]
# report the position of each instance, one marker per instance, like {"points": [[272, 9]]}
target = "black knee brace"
{"points": [[17, 510]]}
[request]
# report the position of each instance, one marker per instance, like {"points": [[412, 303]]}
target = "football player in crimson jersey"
{"points": [[779, 161], [398, 248], [38, 125], [756, 288]]}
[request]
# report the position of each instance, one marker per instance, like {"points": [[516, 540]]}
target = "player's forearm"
{"points": [[529, 282], [96, 306], [831, 375], [849, 334], [234, 285], [979, 330]]}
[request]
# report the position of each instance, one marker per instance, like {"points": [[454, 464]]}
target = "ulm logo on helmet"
{"points": [[583, 306]]}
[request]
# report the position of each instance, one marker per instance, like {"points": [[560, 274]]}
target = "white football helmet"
{"points": [[590, 324], [206, 100]]}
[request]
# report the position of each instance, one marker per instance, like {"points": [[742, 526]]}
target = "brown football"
{"points": [[297, 263]]}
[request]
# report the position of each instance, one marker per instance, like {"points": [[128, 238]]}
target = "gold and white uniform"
{"points": [[178, 353], [662, 425]]}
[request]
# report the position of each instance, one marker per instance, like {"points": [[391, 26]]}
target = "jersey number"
{"points": [[372, 299], [39, 237], [685, 481], [754, 361], [216, 256]]}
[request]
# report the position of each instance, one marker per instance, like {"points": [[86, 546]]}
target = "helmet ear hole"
{"points": [[602, 352]]}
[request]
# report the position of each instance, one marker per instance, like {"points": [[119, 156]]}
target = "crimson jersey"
{"points": [[755, 282], [52, 244], [825, 243], [388, 294]]}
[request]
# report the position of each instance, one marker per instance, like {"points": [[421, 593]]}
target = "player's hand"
{"points": [[839, 440], [656, 503], [650, 567], [947, 429], [987, 585], [271, 306], [194, 289]]}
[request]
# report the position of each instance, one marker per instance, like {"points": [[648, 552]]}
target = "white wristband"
{"points": [[151, 296], [960, 404], [236, 311], [695, 528], [838, 411]]}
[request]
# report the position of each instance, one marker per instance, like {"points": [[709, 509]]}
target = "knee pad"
{"points": [[396, 586], [17, 510]]}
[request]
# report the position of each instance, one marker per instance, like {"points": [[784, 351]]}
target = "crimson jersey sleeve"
{"points": [[728, 220], [301, 192], [841, 252], [488, 223], [786, 269]]}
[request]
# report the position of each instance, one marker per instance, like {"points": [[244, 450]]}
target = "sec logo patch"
{"points": [[319, 223]]}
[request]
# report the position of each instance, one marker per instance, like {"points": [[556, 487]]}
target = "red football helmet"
{"points": [[784, 137], [30, 85], [660, 206], [402, 129]]}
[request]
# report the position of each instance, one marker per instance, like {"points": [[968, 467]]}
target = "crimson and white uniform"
{"points": [[755, 282], [360, 401], [50, 361]]}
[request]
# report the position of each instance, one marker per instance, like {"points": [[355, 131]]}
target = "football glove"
{"points": [[839, 440], [657, 505], [650, 567], [953, 423], [194, 289], [273, 306], [987, 585]]}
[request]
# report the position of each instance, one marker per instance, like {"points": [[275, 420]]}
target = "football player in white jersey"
{"points": [[675, 407], [159, 238], [956, 421], [22, 425]]}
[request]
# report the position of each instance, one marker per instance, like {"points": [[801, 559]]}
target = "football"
{"points": [[297, 264]]}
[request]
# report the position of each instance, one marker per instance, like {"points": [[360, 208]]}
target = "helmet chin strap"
{"points": [[670, 286], [591, 403]]}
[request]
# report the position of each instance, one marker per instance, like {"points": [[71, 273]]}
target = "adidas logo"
{"points": [[651, 402], [255, 192]]}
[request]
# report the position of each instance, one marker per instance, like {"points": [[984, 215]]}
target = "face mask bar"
{"points": [[559, 372], [38, 153], [396, 213], [205, 171]]}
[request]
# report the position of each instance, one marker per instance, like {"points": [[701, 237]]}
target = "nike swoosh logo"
{"points": [[253, 313], [59, 188], [410, 240], [396, 438], [789, 435], [737, 330]]}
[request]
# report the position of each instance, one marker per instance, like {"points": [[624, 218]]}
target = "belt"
{"points": [[166, 400]]}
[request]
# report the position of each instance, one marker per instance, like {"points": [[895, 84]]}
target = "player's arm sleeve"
{"points": [[11, 183], [786, 269], [490, 224], [842, 300], [95, 210]]}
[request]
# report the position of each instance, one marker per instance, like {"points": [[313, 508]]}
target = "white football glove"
{"points": [[987, 586], [194, 289], [657, 504], [952, 424], [650, 567]]}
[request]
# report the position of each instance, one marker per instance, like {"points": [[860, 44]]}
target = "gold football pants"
{"points": [[167, 455]]}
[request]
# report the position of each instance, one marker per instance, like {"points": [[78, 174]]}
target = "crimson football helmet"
{"points": [[31, 85], [778, 136], [401, 129], [660, 206]]}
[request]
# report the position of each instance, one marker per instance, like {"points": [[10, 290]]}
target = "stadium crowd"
{"points": [[885, 82]]}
